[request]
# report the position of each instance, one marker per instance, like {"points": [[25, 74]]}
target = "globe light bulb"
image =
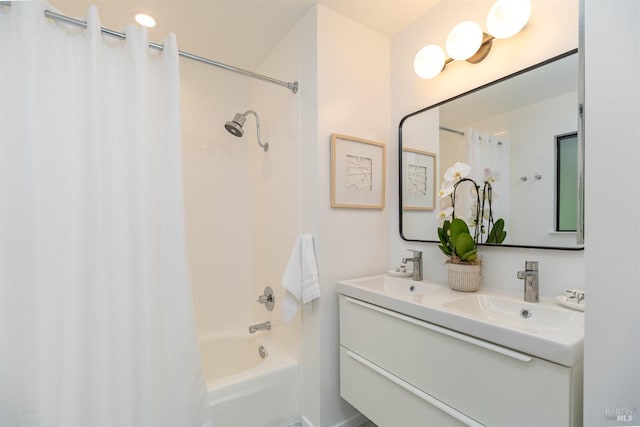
{"points": [[507, 17], [429, 61], [464, 40]]}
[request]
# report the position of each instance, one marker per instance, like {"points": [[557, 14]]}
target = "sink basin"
{"points": [[395, 286], [528, 316]]}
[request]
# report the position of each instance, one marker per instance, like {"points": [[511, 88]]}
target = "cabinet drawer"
{"points": [[389, 401], [494, 385]]}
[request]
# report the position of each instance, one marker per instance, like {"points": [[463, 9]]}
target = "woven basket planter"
{"points": [[464, 277]]}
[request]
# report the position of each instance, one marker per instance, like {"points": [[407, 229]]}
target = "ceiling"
{"points": [[241, 32]]}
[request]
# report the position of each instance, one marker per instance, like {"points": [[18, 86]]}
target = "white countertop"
{"points": [[552, 332]]}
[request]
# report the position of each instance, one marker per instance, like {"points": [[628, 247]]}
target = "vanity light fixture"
{"points": [[507, 17], [144, 19], [464, 40], [467, 42], [429, 61]]}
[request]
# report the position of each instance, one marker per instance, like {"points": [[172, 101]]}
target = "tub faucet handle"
{"points": [[268, 298]]}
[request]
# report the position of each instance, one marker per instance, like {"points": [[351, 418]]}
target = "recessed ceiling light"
{"points": [[144, 19]]}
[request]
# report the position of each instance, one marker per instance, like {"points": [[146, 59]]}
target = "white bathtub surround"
{"points": [[245, 389], [300, 278], [96, 319]]}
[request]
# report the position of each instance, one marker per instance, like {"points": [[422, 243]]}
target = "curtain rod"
{"points": [[293, 87], [452, 130]]}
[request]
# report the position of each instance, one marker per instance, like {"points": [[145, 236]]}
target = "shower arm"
{"points": [[264, 146]]}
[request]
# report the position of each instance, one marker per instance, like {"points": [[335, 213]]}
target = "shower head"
{"points": [[234, 127]]}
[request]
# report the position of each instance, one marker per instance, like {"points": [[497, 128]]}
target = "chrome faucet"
{"points": [[417, 264], [530, 276], [264, 326], [267, 298]]}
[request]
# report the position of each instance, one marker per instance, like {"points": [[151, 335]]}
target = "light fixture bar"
{"points": [[293, 87], [483, 51]]}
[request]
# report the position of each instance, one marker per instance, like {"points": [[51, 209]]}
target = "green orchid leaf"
{"points": [[442, 235], [472, 255], [445, 250], [464, 243], [491, 238], [497, 233], [458, 227], [445, 227]]}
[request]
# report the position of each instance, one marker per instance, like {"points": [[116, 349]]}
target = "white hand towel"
{"points": [[300, 278]]}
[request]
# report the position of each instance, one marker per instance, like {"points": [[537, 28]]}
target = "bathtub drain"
{"points": [[262, 352]]}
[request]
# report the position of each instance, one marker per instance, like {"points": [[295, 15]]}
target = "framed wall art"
{"points": [[419, 180], [357, 173]]}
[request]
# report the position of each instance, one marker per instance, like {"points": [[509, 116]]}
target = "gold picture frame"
{"points": [[358, 172]]}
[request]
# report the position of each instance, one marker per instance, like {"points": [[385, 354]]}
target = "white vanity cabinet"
{"points": [[402, 371]]}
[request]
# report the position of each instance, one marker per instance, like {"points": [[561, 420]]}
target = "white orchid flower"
{"points": [[445, 214], [489, 175], [458, 171], [446, 189], [446, 202]]}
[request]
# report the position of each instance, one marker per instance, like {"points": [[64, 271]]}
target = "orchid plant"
{"points": [[456, 241]]}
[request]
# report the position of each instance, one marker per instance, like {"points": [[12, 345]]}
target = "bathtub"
{"points": [[246, 390]]}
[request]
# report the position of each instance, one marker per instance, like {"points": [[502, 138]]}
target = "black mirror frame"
{"points": [[400, 210]]}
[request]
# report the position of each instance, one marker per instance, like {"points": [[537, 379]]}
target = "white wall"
{"points": [[217, 215], [351, 97], [553, 29], [275, 184], [612, 137], [242, 204]]}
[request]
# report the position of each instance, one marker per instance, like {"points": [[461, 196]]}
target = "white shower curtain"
{"points": [[492, 152], [96, 318]]}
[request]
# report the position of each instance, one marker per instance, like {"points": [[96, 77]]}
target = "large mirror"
{"points": [[522, 131]]}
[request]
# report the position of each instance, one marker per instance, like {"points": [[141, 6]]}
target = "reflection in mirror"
{"points": [[566, 184], [522, 131]]}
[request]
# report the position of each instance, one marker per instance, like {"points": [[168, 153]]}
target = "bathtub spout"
{"points": [[264, 326]]}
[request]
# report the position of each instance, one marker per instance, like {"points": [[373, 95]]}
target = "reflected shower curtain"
{"points": [[490, 155], [96, 318]]}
